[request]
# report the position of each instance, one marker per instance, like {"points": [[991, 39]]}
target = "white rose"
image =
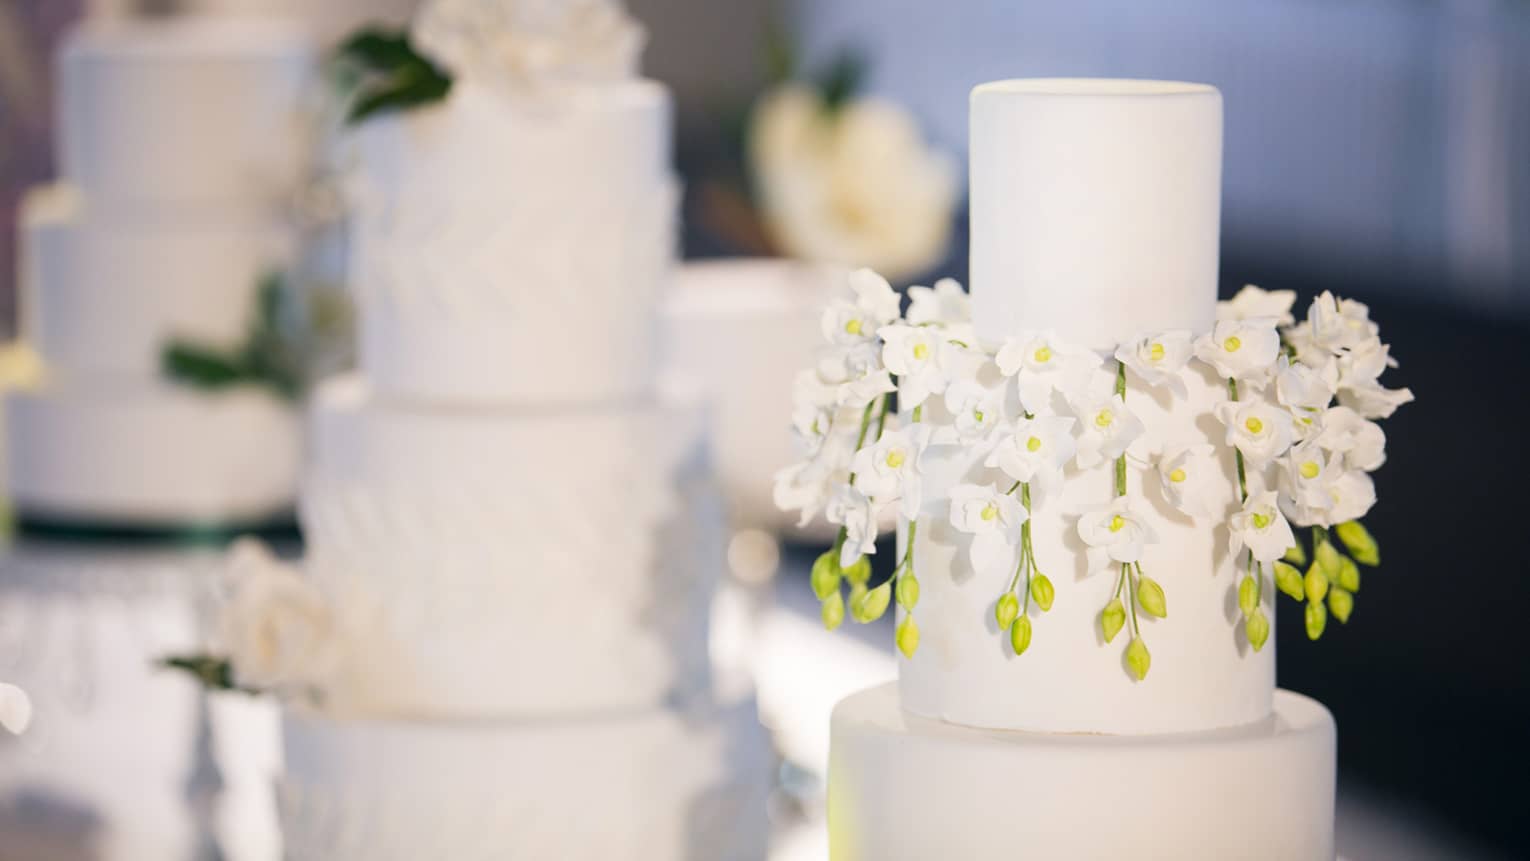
{"points": [[280, 631], [521, 45]]}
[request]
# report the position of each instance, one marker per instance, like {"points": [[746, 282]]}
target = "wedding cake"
{"points": [[1097, 469], [178, 147], [498, 646]]}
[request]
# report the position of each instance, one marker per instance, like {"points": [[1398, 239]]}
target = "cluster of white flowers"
{"points": [[279, 631], [1301, 409]]}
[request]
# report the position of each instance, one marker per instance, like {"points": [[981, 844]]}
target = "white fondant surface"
{"points": [[1095, 207], [187, 112], [640, 785], [150, 453], [512, 561], [515, 253], [903, 787], [1203, 675], [105, 297]]}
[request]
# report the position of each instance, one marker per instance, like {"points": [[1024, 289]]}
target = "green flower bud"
{"points": [[1289, 579], [1357, 539], [859, 571], [1328, 558], [908, 591], [1042, 592], [1137, 658], [1248, 595], [1258, 629], [1297, 555], [1316, 584], [1317, 619], [1112, 618], [826, 575], [1150, 597], [870, 606], [1006, 610], [1341, 603], [1020, 635], [1349, 575], [833, 611], [908, 637]]}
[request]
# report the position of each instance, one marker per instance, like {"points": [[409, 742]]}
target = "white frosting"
{"points": [[510, 253], [169, 114], [640, 785], [1204, 674], [104, 297], [1095, 207], [150, 453], [504, 561], [904, 787]]}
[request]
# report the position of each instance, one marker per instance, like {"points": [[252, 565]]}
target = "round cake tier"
{"points": [[106, 297], [513, 253], [1095, 207], [903, 787], [150, 454], [177, 113], [506, 562], [641, 785]]}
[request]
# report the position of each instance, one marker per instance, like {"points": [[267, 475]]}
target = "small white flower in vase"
{"points": [[280, 631], [1114, 533], [1260, 527], [994, 519]]}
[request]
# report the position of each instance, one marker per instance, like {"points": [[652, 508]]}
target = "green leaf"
{"points": [[1341, 602], [1042, 592], [826, 575], [1359, 542], [1006, 610], [1020, 635], [841, 80], [200, 366], [1289, 580], [908, 637], [393, 75], [1317, 619], [1316, 584], [870, 605], [1138, 658], [377, 48], [908, 591], [1150, 597], [833, 611], [214, 673], [780, 54], [1112, 618], [1349, 575], [1258, 629], [409, 87], [1248, 595]]}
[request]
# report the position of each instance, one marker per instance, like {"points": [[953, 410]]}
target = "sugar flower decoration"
{"points": [[977, 413], [1035, 453], [1189, 475], [1257, 428], [1261, 528], [1243, 350], [1253, 302], [1305, 474], [854, 511], [1339, 324], [1159, 359], [1107, 428], [946, 305], [1041, 365], [522, 45], [1114, 533], [280, 631], [914, 355], [1362, 442], [807, 486], [855, 320], [15, 709], [1303, 387], [891, 469], [993, 519]]}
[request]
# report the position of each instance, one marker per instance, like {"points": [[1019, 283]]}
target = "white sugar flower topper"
{"points": [[1114, 532], [993, 519]]}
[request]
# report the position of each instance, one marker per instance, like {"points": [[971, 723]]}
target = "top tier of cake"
{"points": [[182, 117], [1095, 208]]}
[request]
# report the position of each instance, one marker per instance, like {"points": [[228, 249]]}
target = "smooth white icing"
{"points": [[514, 252], [106, 296], [1203, 674], [168, 114], [150, 453], [511, 561], [1095, 207], [902, 787], [662, 783]]}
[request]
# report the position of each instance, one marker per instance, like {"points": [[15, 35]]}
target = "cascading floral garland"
{"points": [[1302, 398]]}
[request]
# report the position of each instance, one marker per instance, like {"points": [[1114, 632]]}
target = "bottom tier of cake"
{"points": [[901, 786], [150, 454], [639, 785]]}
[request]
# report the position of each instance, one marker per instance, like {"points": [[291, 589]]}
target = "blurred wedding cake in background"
{"points": [[179, 149], [498, 646]]}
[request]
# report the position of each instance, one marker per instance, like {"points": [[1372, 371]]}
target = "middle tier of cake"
{"points": [[466, 545]]}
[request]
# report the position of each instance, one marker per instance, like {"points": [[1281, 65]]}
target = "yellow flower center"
{"points": [[895, 458], [1033, 444], [977, 416], [1254, 425], [921, 351], [990, 511], [1232, 344], [1117, 522], [1177, 476], [1261, 520], [1155, 352], [1103, 418], [1310, 469], [854, 326], [1043, 354]]}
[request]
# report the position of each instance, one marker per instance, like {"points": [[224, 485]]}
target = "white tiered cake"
{"points": [[500, 646], [178, 149], [1098, 468]]}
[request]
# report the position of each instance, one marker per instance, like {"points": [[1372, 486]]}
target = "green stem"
{"points": [[1121, 461], [919, 413], [1131, 598], [1232, 392]]}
